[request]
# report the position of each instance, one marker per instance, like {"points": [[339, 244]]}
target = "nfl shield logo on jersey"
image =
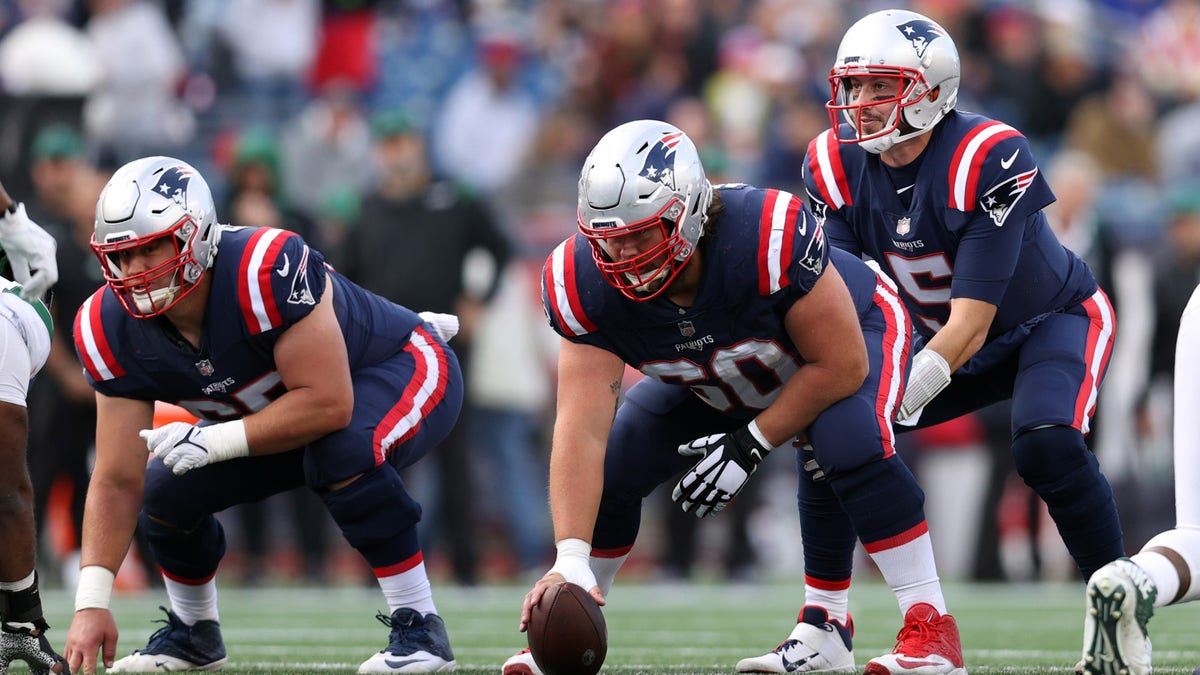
{"points": [[687, 329], [205, 367], [903, 226]]}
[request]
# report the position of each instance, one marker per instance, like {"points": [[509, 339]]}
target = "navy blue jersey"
{"points": [[974, 227], [263, 281], [766, 251]]}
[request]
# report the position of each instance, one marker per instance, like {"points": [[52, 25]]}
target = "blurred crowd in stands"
{"points": [[431, 149]]}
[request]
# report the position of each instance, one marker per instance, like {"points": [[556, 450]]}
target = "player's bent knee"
{"points": [[1044, 454], [375, 507]]}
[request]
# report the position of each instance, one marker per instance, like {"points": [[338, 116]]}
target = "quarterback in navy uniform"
{"points": [[752, 334], [950, 204], [300, 378]]}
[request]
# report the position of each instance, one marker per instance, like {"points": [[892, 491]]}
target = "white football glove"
{"points": [[729, 461], [183, 447], [930, 374], [30, 251], [445, 325]]}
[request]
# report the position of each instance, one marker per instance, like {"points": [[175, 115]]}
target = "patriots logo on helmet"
{"points": [[660, 162], [1000, 200], [920, 33], [172, 184]]}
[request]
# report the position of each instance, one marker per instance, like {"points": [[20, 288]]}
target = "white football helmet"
{"points": [[146, 200], [641, 177], [899, 44]]}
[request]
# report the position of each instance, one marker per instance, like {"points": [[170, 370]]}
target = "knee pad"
{"points": [[882, 499], [1043, 456], [186, 554], [617, 521], [377, 516]]}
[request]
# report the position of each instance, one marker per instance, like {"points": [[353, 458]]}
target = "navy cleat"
{"points": [[177, 647], [24, 642], [418, 644]]}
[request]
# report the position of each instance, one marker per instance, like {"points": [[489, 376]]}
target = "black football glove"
{"points": [[729, 461]]}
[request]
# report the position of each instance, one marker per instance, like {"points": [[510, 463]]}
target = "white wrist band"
{"points": [[574, 562], [95, 588], [758, 435], [226, 440]]}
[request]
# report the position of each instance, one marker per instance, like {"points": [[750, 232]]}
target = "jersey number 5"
{"points": [[926, 280]]}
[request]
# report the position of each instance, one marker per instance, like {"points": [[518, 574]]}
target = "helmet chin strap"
{"points": [[644, 286], [148, 303]]}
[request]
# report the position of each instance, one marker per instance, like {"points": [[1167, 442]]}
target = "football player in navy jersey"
{"points": [[300, 377], [951, 204], [27, 270], [752, 334]]}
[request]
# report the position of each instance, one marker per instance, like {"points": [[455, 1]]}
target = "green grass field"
{"points": [[1006, 628]]}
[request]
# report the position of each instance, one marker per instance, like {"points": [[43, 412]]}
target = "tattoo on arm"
{"points": [[615, 388]]}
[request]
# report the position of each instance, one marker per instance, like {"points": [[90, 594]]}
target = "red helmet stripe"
{"points": [[967, 162]]}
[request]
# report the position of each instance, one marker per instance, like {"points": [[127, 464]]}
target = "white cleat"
{"points": [[1120, 601], [815, 645]]}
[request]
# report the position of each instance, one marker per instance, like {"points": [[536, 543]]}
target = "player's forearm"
{"points": [[964, 333], [808, 393], [109, 519], [296, 419], [576, 481], [957, 344]]}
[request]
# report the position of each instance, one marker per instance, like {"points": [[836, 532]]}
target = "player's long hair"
{"points": [[715, 208]]}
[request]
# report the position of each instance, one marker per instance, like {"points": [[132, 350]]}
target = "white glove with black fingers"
{"points": [[30, 252], [729, 461], [445, 325], [930, 374], [183, 447]]}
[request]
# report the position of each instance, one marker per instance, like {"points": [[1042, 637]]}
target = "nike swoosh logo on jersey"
{"points": [[1005, 163], [287, 265], [905, 189]]}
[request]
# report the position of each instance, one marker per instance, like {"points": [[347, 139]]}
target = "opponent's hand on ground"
{"points": [[32, 647], [729, 461]]}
